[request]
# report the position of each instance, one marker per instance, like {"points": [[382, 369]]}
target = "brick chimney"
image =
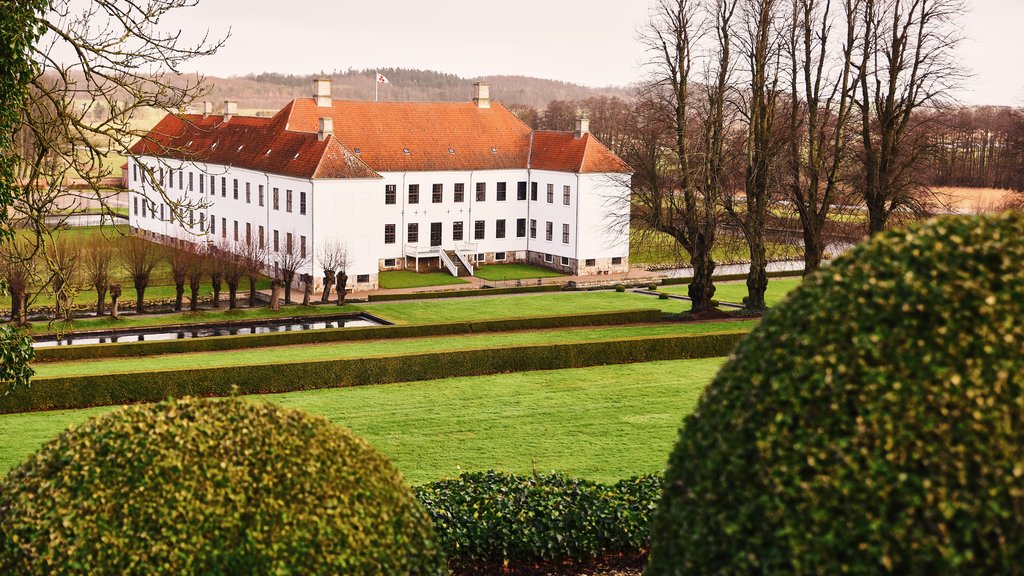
{"points": [[482, 92], [230, 110], [207, 109], [582, 126], [326, 128], [322, 92]]}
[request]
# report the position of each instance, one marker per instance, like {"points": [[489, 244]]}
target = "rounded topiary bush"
{"points": [[620, 288], [873, 422], [201, 486]]}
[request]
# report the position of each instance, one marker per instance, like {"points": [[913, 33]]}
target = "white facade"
{"points": [[570, 222]]}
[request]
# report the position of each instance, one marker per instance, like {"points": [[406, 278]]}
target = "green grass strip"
{"points": [[149, 386], [373, 348]]}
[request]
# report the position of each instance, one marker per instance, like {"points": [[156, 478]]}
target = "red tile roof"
{"points": [[373, 137], [563, 152]]}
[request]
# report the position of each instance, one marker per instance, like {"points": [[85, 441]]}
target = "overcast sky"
{"points": [[590, 42]]}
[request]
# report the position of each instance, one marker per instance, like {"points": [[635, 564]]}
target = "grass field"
{"points": [[153, 292], [602, 423], [500, 272], [735, 292], [409, 279], [517, 306], [363, 349], [658, 248]]}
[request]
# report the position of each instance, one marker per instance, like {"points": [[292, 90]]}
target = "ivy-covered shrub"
{"points": [[200, 486], [491, 518], [872, 423]]}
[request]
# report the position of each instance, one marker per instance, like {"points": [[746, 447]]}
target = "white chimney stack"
{"points": [[582, 126], [322, 92], [326, 128], [483, 94], [207, 109], [230, 109]]}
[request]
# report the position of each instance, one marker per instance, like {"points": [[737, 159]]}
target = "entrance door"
{"points": [[435, 233]]}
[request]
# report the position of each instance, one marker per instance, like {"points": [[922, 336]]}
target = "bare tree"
{"points": [[18, 267], [821, 92], [180, 259], [217, 262], [98, 256], [253, 260], [291, 259], [139, 257], [906, 63], [64, 261], [115, 295], [195, 272], [683, 201], [233, 262], [333, 257], [760, 46]]}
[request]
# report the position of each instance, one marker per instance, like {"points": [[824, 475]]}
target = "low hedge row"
{"points": [[464, 293], [129, 387], [735, 277], [217, 343], [496, 519]]}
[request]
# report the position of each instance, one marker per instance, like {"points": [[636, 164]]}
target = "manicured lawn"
{"points": [[735, 292], [660, 248], [517, 306], [153, 292], [201, 317], [410, 279], [362, 349], [499, 272], [603, 423]]}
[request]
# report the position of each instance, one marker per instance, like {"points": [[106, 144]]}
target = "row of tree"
{"points": [[99, 263]]}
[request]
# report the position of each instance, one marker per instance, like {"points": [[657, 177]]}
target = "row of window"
{"points": [[479, 231], [437, 193], [275, 196]]}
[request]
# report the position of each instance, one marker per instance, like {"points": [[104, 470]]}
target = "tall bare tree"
{"points": [[333, 257], [291, 259], [682, 201], [821, 88], [233, 262], [195, 273], [18, 268], [64, 261], [253, 258], [180, 259], [139, 257], [98, 255], [905, 65], [760, 46]]}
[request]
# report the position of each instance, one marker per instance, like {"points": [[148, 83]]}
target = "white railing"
{"points": [[461, 250], [417, 251], [449, 264]]}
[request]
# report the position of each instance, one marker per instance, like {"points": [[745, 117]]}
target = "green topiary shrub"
{"points": [[491, 519], [200, 486], [620, 288], [663, 295], [871, 424], [652, 286]]}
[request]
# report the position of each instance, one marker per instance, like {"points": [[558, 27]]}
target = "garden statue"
{"points": [[275, 294], [307, 288], [342, 280]]}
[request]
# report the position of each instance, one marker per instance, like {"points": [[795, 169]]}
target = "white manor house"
{"points": [[403, 185]]}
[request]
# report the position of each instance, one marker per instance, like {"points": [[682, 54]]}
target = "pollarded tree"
{"points": [[253, 261], [180, 259], [139, 257], [195, 272], [333, 257], [232, 258], [64, 261], [291, 259], [98, 255], [216, 264], [18, 267]]}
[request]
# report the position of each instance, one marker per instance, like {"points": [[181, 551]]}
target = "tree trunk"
{"points": [[194, 295], [23, 309], [702, 288], [15, 306], [140, 291], [288, 276], [252, 291], [275, 295], [341, 281], [232, 295], [179, 295], [328, 283], [216, 293], [307, 291], [115, 293], [814, 246], [58, 285], [101, 296], [757, 277]]}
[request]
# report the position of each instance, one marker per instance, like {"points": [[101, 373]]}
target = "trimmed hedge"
{"points": [[871, 424], [495, 519], [200, 486], [215, 343], [464, 293], [129, 387]]}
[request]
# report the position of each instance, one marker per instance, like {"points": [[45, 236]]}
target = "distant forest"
{"points": [[270, 91]]}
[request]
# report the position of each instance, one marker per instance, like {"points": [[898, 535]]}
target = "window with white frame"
{"points": [[549, 231], [565, 233], [566, 195]]}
